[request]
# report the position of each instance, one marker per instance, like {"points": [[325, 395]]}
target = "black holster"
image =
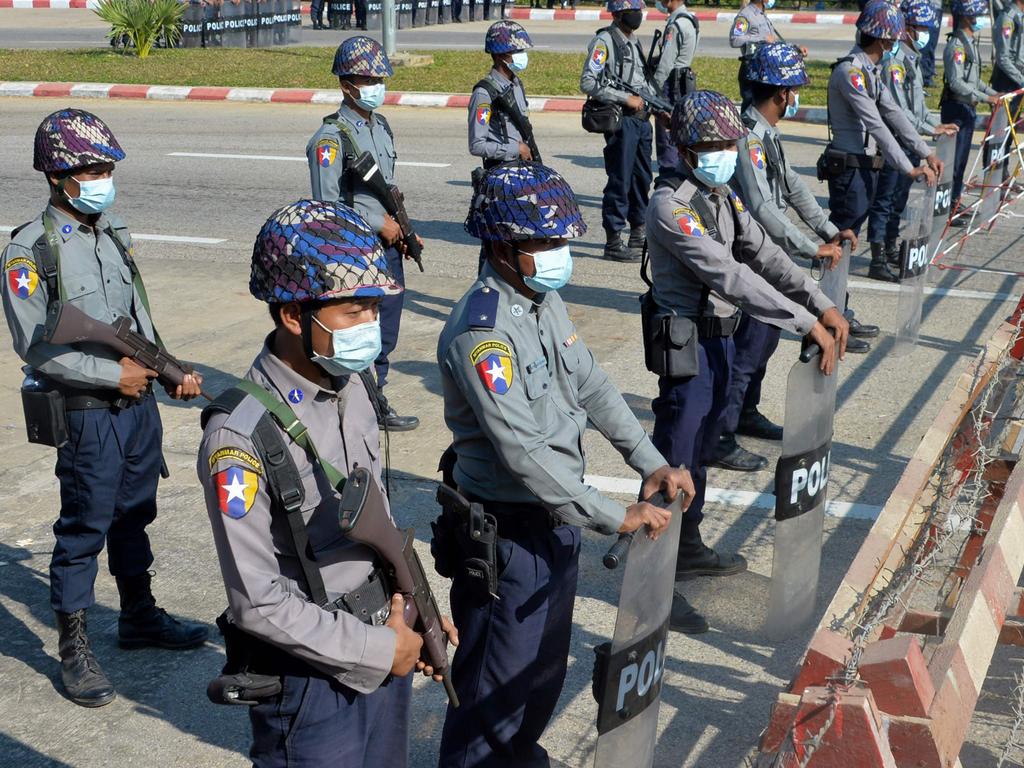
{"points": [[238, 684], [681, 81], [831, 164], [670, 341], [46, 419]]}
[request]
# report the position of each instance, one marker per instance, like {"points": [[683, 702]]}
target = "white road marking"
{"points": [[953, 293], [733, 498], [289, 158], [163, 238]]}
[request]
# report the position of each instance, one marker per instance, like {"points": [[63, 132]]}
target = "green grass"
{"points": [[550, 74]]}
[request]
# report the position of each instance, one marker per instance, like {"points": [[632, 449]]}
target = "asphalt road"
{"points": [[718, 686], [78, 28]]}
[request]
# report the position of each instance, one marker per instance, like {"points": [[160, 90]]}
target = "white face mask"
{"points": [[519, 61]]}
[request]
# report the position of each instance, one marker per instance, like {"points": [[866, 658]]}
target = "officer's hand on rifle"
{"points": [[643, 513], [935, 164], [191, 386], [524, 152], [134, 378], [408, 644], [923, 172], [830, 251], [670, 481], [634, 102], [846, 235], [452, 634], [390, 233]]}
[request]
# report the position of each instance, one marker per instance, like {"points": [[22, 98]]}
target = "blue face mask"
{"points": [[976, 25], [354, 348], [715, 168], [887, 56], [923, 38], [792, 108], [94, 196], [661, 6], [769, 4], [553, 270], [371, 96], [520, 60]]}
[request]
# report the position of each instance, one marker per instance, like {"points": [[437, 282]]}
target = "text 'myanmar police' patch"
{"points": [[493, 363], [236, 455]]}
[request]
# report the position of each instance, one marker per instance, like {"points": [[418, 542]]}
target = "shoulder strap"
{"points": [[496, 107], [386, 124], [140, 288], [46, 265], [691, 18]]}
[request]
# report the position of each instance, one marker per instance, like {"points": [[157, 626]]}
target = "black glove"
{"points": [[602, 653]]}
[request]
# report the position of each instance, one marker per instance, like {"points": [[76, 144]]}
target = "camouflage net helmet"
{"points": [[507, 36], [705, 116], [882, 20], [972, 8], [361, 55], [318, 251], [73, 138], [614, 6], [920, 13], [778, 64], [524, 201]]}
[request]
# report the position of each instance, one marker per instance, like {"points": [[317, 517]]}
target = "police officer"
{"points": [[492, 134], [674, 76], [709, 259], [316, 13], [868, 128], [1008, 41], [361, 66], [328, 627], [902, 76], [519, 386], [963, 89], [615, 53], [109, 466], [930, 40], [750, 30]]}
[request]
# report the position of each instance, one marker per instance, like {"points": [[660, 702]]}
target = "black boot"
{"points": [[685, 618], [142, 623], [615, 250], [879, 268], [731, 455], [753, 423], [637, 238], [892, 253], [390, 419], [84, 681]]}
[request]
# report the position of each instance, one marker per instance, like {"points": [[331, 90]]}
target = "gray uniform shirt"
{"points": [[1008, 41], [768, 186], [678, 46], [685, 257], [492, 135], [750, 28], [519, 387], [602, 62], [263, 578], [93, 276], [962, 69], [325, 153], [902, 76], [864, 117]]}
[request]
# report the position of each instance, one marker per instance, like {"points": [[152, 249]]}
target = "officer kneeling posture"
{"points": [[519, 387], [708, 256], [325, 637], [101, 413]]}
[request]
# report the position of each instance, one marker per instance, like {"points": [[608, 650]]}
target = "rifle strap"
{"points": [[497, 108]]}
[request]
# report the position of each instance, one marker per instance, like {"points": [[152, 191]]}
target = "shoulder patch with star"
{"points": [[483, 114], [688, 221], [756, 150], [22, 277], [737, 203], [856, 75], [236, 491], [899, 74], [598, 57], [740, 26], [493, 363], [326, 152], [1007, 29], [958, 52]]}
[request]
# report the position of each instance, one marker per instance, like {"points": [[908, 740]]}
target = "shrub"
{"points": [[143, 22]]}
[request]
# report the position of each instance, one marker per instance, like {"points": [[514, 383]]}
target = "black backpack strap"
{"points": [[46, 266], [496, 110]]}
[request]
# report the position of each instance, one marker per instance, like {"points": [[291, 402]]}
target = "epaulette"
{"points": [[482, 308]]}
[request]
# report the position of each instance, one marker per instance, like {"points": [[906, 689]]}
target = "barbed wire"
{"points": [[1013, 739]]}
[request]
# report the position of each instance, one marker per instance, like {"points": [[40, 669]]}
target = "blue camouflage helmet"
{"points": [[705, 116], [524, 201], [73, 138], [361, 55], [614, 6], [882, 20], [507, 36], [778, 64], [315, 250], [920, 13], [972, 8]]}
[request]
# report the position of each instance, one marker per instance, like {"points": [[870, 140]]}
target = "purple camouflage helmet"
{"points": [[524, 201], [705, 116], [507, 36], [316, 250], [361, 55], [778, 64], [970, 8], [882, 20], [73, 138], [614, 6], [920, 13]]}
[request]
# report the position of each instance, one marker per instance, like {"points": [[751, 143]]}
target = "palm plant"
{"points": [[143, 22]]}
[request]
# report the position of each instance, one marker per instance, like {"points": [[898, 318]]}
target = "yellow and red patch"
{"points": [[493, 363], [740, 26], [756, 154], [899, 74], [598, 58], [22, 277], [958, 54], [688, 221], [483, 114], [857, 79], [236, 491], [326, 152]]}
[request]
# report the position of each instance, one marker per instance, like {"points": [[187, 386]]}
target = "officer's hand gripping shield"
{"points": [[628, 687], [916, 230], [801, 482]]}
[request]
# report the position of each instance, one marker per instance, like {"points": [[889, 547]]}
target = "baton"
{"points": [[614, 556], [809, 352]]}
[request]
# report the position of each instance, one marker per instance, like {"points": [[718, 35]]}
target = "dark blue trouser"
{"points": [[108, 473], [746, 89], [315, 722], [510, 664], [390, 314], [627, 161], [891, 192], [668, 152], [849, 197], [928, 53], [316, 11], [755, 342], [688, 422], [963, 116]]}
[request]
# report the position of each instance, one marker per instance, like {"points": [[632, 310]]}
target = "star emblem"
{"points": [[23, 281], [496, 372], [236, 489]]}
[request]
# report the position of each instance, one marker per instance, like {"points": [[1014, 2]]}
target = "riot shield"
{"points": [[404, 9], [213, 27], [833, 281], [294, 21], [192, 26], [801, 482], [235, 16], [444, 12], [915, 256], [945, 149], [374, 8], [630, 694], [281, 22], [265, 23], [419, 13], [431, 17], [991, 189], [491, 9]]}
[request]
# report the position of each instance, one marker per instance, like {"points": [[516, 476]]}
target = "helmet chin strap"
{"points": [[306, 325]]}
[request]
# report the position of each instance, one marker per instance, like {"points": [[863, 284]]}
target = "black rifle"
{"points": [[506, 102], [653, 102], [365, 167]]}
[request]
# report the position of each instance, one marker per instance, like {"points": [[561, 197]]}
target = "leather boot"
{"points": [[729, 454], [892, 253], [615, 249], [389, 418], [142, 623], [879, 269], [637, 238], [685, 618], [753, 423], [84, 681]]}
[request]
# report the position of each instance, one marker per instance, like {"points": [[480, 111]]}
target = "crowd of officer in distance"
{"points": [[320, 642]]}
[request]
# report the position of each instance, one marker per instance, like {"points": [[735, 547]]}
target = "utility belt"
{"points": [[671, 342], [253, 668], [948, 95], [834, 162]]}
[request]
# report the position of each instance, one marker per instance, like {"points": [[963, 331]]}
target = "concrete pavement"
{"points": [[206, 176]]}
